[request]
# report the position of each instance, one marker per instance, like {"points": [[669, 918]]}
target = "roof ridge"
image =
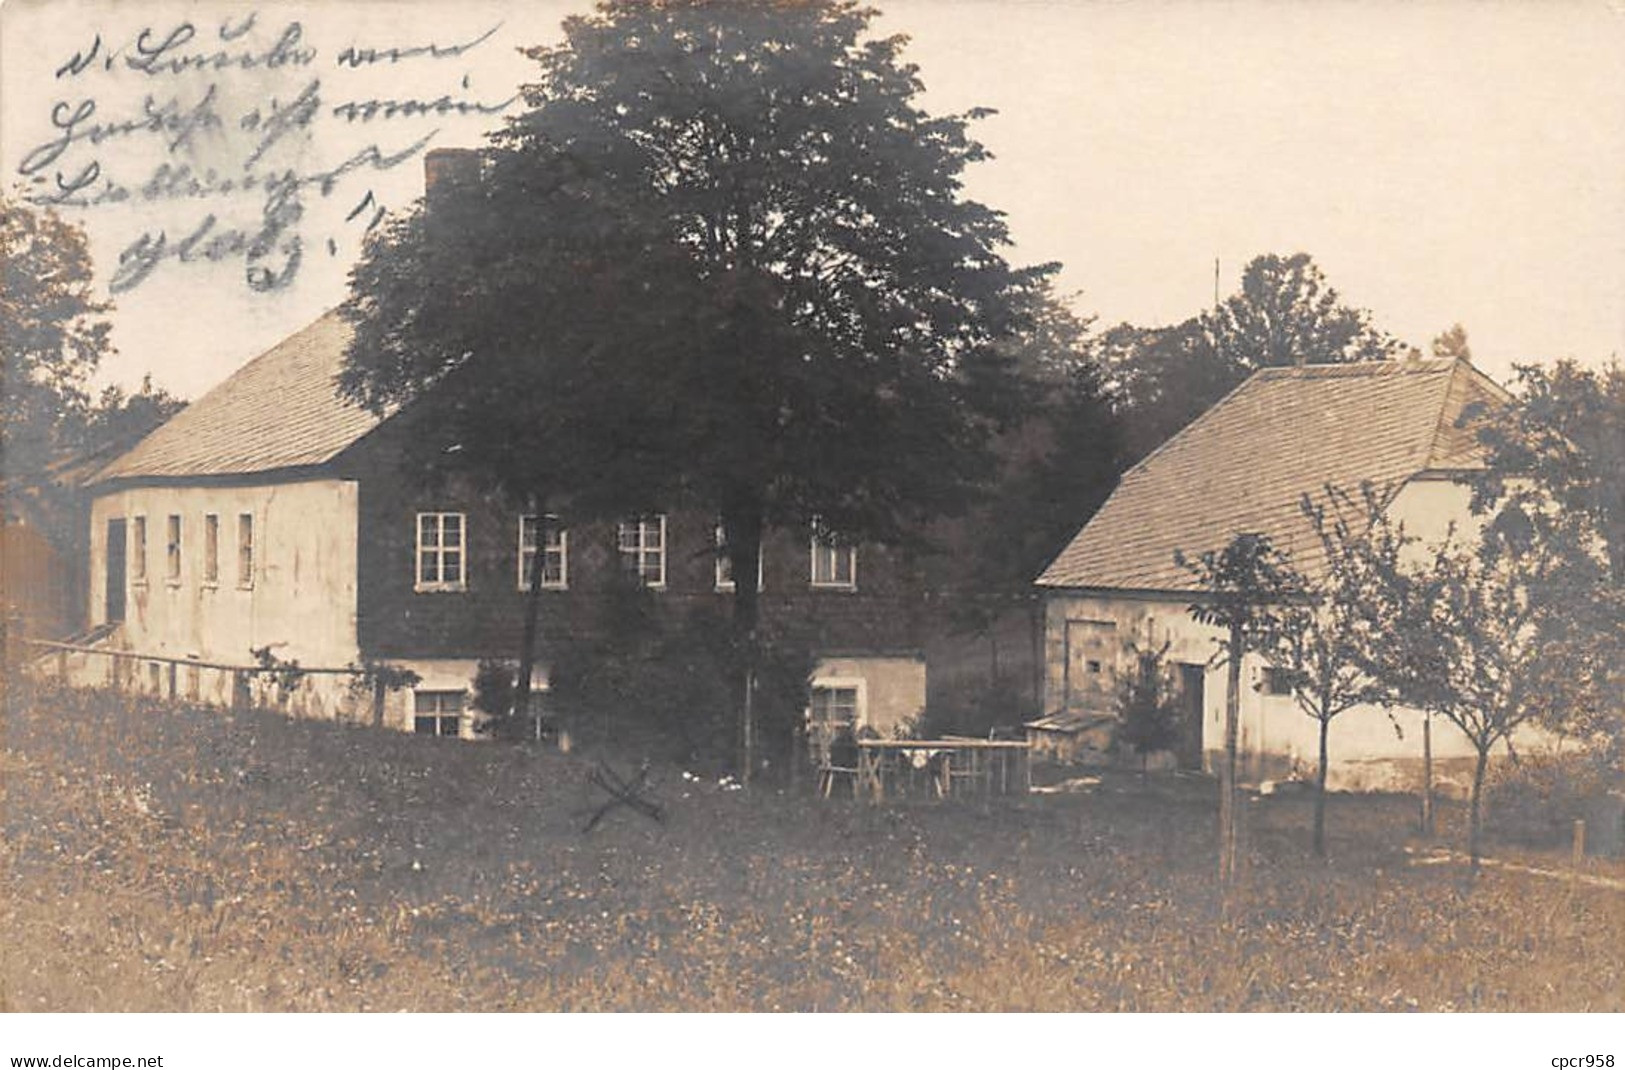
{"points": [[1458, 365]]}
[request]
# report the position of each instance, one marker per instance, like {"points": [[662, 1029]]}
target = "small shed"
{"points": [[1072, 737]]}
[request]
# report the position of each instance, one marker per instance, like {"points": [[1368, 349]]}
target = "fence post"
{"points": [[1579, 841]]}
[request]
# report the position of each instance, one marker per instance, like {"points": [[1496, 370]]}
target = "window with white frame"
{"points": [[834, 563], [642, 544], [555, 552], [138, 550], [725, 568], [245, 550], [441, 552], [172, 553], [834, 711], [437, 713], [211, 549]]}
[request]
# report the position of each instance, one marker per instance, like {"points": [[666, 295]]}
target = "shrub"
{"points": [[1147, 705], [974, 710], [674, 691], [1537, 798]]}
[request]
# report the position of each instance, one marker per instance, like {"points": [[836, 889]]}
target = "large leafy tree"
{"points": [[723, 257], [53, 334], [1058, 460], [1557, 453]]}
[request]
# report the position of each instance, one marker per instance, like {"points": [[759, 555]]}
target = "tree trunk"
{"points": [[1227, 770], [1474, 815], [1427, 774], [1320, 791], [533, 612], [742, 535]]}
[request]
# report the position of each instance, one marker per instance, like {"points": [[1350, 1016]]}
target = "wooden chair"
{"points": [[835, 761], [966, 766]]}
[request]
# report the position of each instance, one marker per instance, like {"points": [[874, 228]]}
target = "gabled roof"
{"points": [[280, 410], [1244, 465]]}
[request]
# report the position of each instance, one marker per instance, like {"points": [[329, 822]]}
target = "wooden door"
{"points": [[1091, 665], [1188, 749], [116, 588]]}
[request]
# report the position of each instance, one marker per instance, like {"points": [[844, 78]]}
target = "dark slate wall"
{"points": [[883, 615]]}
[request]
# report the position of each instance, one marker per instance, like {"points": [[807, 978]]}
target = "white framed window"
{"points": [[555, 553], [834, 563], [725, 569], [211, 550], [138, 549], [437, 713], [642, 544], [245, 550], [834, 713], [172, 551], [441, 552], [835, 704]]}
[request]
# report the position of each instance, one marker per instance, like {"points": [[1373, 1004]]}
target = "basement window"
{"points": [[437, 713]]}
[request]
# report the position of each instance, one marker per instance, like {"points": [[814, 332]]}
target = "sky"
{"points": [[1443, 162]]}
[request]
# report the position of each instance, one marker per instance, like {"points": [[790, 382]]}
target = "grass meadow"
{"points": [[173, 859]]}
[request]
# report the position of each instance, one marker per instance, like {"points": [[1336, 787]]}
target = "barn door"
{"points": [[1091, 664], [115, 571], [1188, 749]]}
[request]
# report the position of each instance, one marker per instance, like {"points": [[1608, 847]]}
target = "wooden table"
{"points": [[984, 761]]}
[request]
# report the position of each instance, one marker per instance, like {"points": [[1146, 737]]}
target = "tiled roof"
{"points": [[1244, 465], [277, 411]]}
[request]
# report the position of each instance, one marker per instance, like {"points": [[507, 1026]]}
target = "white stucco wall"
{"points": [[1277, 739], [302, 600], [1427, 508], [1371, 748]]}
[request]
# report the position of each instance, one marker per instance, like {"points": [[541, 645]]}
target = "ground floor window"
{"points": [[437, 713], [832, 722]]}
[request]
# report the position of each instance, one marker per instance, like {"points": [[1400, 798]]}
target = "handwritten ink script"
{"points": [[233, 128]]}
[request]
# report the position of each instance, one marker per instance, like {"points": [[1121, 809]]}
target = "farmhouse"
{"points": [[273, 514], [1243, 467]]}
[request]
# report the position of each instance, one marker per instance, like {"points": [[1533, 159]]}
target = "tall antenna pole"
{"points": [[1215, 282]]}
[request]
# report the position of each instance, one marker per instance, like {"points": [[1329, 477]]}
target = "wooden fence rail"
{"points": [[241, 675]]}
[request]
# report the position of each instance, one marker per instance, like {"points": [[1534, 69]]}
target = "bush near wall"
{"points": [[1536, 799], [672, 691]]}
